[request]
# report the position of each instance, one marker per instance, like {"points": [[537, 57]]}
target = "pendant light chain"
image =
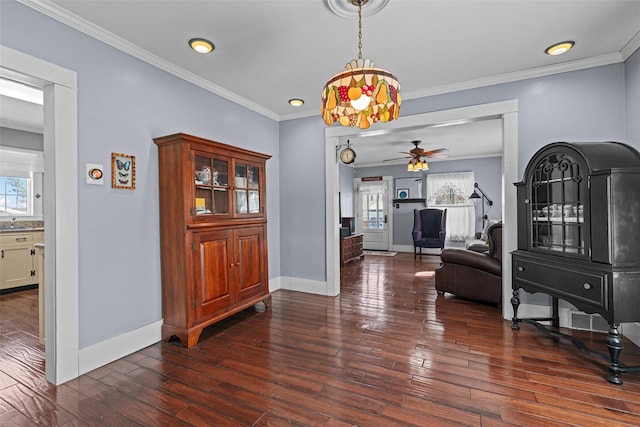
{"points": [[359, 29], [362, 94]]}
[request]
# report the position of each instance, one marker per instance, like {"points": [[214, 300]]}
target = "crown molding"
{"points": [[54, 11], [565, 67], [631, 47]]}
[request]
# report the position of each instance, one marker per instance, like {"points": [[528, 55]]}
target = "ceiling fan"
{"points": [[418, 153], [418, 157]]}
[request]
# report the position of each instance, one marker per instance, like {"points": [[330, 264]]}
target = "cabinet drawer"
{"points": [[15, 239], [565, 283]]}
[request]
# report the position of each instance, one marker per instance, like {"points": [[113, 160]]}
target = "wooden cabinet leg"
{"points": [[615, 346], [188, 337], [515, 303], [267, 300]]}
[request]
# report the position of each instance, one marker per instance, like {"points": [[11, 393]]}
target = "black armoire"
{"points": [[579, 235]]}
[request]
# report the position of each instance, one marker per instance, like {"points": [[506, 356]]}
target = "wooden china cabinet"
{"points": [[579, 236], [213, 228]]}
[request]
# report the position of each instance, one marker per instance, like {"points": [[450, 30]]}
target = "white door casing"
{"points": [[506, 110], [60, 207]]}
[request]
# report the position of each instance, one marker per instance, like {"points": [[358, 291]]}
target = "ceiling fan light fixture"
{"points": [[559, 48], [201, 45], [417, 165], [361, 95]]}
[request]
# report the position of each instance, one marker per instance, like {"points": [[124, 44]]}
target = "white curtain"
{"points": [[451, 191], [373, 187]]}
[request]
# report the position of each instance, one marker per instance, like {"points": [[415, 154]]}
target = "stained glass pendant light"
{"points": [[361, 94]]}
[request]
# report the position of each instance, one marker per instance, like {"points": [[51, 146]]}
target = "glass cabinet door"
{"points": [[220, 186], [558, 196], [247, 189], [211, 185]]}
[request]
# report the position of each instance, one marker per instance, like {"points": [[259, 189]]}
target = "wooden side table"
{"points": [[351, 248]]}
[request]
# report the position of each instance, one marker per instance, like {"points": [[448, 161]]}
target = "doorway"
{"points": [[507, 111], [373, 219], [60, 208]]}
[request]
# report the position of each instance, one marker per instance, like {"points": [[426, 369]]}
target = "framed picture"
{"points": [[402, 193], [123, 171]]}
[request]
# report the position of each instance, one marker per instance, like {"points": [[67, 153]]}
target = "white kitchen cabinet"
{"points": [[18, 262]]}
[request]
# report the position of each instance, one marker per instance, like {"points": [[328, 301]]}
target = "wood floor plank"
{"points": [[35, 407], [388, 351]]}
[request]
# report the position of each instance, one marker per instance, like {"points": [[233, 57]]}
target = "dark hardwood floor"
{"points": [[387, 352]]}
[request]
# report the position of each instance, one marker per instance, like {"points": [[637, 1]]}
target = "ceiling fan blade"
{"points": [[399, 158], [436, 151]]}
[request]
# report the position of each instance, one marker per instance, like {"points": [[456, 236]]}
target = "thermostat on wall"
{"points": [[95, 174]]}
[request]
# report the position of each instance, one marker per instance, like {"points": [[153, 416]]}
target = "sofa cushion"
{"points": [[477, 245]]}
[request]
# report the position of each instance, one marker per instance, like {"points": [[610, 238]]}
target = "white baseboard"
{"points": [[632, 331], [107, 351], [303, 285], [275, 284], [112, 349], [533, 310]]}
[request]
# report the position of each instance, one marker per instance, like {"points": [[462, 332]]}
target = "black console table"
{"points": [[579, 237]]}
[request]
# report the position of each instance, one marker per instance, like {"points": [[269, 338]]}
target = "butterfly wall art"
{"points": [[123, 171]]}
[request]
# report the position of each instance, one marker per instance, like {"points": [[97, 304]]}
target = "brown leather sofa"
{"points": [[472, 275]]}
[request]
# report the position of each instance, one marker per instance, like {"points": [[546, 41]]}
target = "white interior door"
{"points": [[372, 213]]}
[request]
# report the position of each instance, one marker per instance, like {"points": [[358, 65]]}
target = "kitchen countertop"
{"points": [[20, 229]]}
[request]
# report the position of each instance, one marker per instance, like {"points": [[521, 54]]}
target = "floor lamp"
{"points": [[484, 198]]}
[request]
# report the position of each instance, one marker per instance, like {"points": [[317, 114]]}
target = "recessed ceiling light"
{"points": [[201, 45], [559, 48], [296, 102]]}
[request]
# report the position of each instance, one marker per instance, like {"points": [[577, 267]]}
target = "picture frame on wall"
{"points": [[123, 171], [402, 193]]}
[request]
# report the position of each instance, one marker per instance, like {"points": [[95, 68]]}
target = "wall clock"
{"points": [[347, 156]]}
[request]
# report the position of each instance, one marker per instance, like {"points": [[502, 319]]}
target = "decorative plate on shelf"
{"points": [[402, 193]]}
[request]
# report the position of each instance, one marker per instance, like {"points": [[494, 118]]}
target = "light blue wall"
{"points": [[632, 85], [583, 105], [122, 104], [302, 194], [586, 105], [488, 175], [345, 186]]}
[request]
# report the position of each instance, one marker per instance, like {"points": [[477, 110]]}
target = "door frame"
{"points": [[60, 208], [505, 110]]}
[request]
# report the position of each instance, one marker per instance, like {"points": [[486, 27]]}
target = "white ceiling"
{"points": [[268, 52]]}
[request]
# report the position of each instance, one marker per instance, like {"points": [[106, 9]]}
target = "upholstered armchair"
{"points": [[429, 229], [473, 275]]}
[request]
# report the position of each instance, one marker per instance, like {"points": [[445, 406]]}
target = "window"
{"points": [[372, 212], [21, 182], [15, 196], [451, 191]]}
